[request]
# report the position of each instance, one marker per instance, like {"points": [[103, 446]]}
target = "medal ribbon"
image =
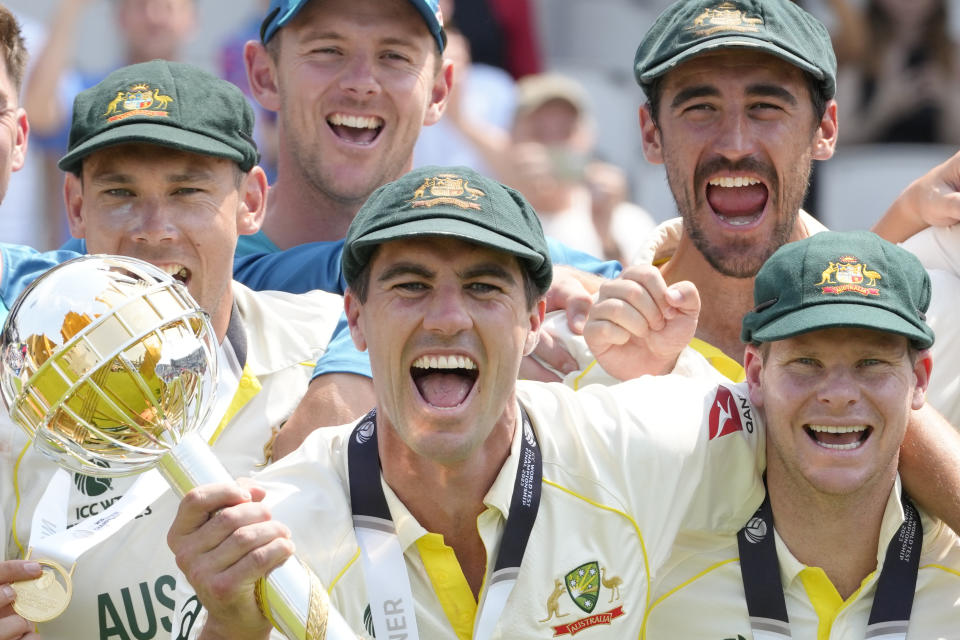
{"points": [[50, 538], [892, 602], [384, 567]]}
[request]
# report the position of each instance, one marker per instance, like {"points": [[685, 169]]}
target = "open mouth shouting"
{"points": [[359, 130], [738, 201], [837, 438], [444, 381]]}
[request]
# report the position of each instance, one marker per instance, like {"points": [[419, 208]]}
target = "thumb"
{"points": [[684, 297]]}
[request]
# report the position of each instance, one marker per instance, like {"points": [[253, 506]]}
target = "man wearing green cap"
{"points": [[162, 167], [838, 550], [740, 102], [503, 509]]}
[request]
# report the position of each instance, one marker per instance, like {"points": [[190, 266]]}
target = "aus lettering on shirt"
{"points": [[137, 613]]}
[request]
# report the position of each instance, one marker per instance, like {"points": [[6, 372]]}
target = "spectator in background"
{"points": [[502, 33], [147, 29], [898, 72], [230, 66], [481, 93], [547, 156]]}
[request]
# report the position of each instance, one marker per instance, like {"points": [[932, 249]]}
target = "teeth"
{"points": [[839, 447], [444, 362], [833, 429], [739, 181], [175, 270], [357, 122]]}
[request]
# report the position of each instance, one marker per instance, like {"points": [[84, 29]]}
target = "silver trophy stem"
{"points": [[290, 590]]}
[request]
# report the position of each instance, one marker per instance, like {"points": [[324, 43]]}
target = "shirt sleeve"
{"points": [[341, 355], [315, 265]]}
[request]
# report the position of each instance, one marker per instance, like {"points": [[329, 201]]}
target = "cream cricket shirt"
{"points": [[704, 576], [124, 588], [624, 467], [939, 250]]}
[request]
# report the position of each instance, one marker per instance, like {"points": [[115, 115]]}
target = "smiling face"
{"points": [[353, 82], [737, 133], [13, 130], [180, 211], [446, 324], [836, 404]]}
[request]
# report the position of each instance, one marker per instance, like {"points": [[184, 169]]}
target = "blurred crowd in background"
{"points": [[544, 100]]}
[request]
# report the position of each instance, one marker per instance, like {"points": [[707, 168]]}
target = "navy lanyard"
{"points": [[370, 510], [892, 602]]}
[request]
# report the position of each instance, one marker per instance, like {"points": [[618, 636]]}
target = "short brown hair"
{"points": [[14, 51]]}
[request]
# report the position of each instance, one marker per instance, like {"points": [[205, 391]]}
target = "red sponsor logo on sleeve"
{"points": [[724, 417]]}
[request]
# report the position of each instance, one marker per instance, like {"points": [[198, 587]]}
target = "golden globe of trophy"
{"points": [[107, 359]]}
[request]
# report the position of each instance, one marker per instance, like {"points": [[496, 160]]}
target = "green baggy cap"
{"points": [[840, 279], [454, 202], [779, 27], [170, 104]]}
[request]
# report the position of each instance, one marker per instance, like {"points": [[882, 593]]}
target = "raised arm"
{"points": [[933, 199], [930, 465]]}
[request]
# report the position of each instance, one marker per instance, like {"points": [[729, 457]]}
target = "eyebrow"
{"points": [[488, 269], [117, 177], [690, 93], [754, 90], [771, 91], [405, 269]]}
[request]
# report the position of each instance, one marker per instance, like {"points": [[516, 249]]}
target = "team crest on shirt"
{"points": [[849, 274], [727, 16], [446, 188], [138, 100], [584, 587]]}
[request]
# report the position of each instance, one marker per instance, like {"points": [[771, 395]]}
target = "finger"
{"points": [[651, 281], [633, 306], [684, 297], [13, 627], [242, 541], [16, 570], [603, 334], [200, 503], [226, 584], [551, 352]]}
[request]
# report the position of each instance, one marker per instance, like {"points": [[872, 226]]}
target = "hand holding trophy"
{"points": [[107, 359]]}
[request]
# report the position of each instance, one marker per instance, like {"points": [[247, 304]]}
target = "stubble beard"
{"points": [[741, 257]]}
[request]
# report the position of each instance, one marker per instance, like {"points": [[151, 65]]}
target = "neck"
{"points": [[220, 319], [297, 213], [810, 523], [723, 299], [447, 497]]}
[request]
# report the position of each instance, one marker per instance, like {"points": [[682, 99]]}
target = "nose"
{"points": [[838, 389], [447, 312], [155, 223], [735, 139], [358, 77]]}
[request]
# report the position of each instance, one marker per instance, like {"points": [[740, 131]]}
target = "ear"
{"points": [[753, 366], [253, 201], [536, 322], [921, 370], [73, 199], [825, 138], [18, 154], [351, 307], [262, 74], [650, 137], [439, 94]]}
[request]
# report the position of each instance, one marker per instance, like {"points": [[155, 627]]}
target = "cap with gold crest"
{"points": [[779, 27], [454, 202], [840, 279], [169, 104]]}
